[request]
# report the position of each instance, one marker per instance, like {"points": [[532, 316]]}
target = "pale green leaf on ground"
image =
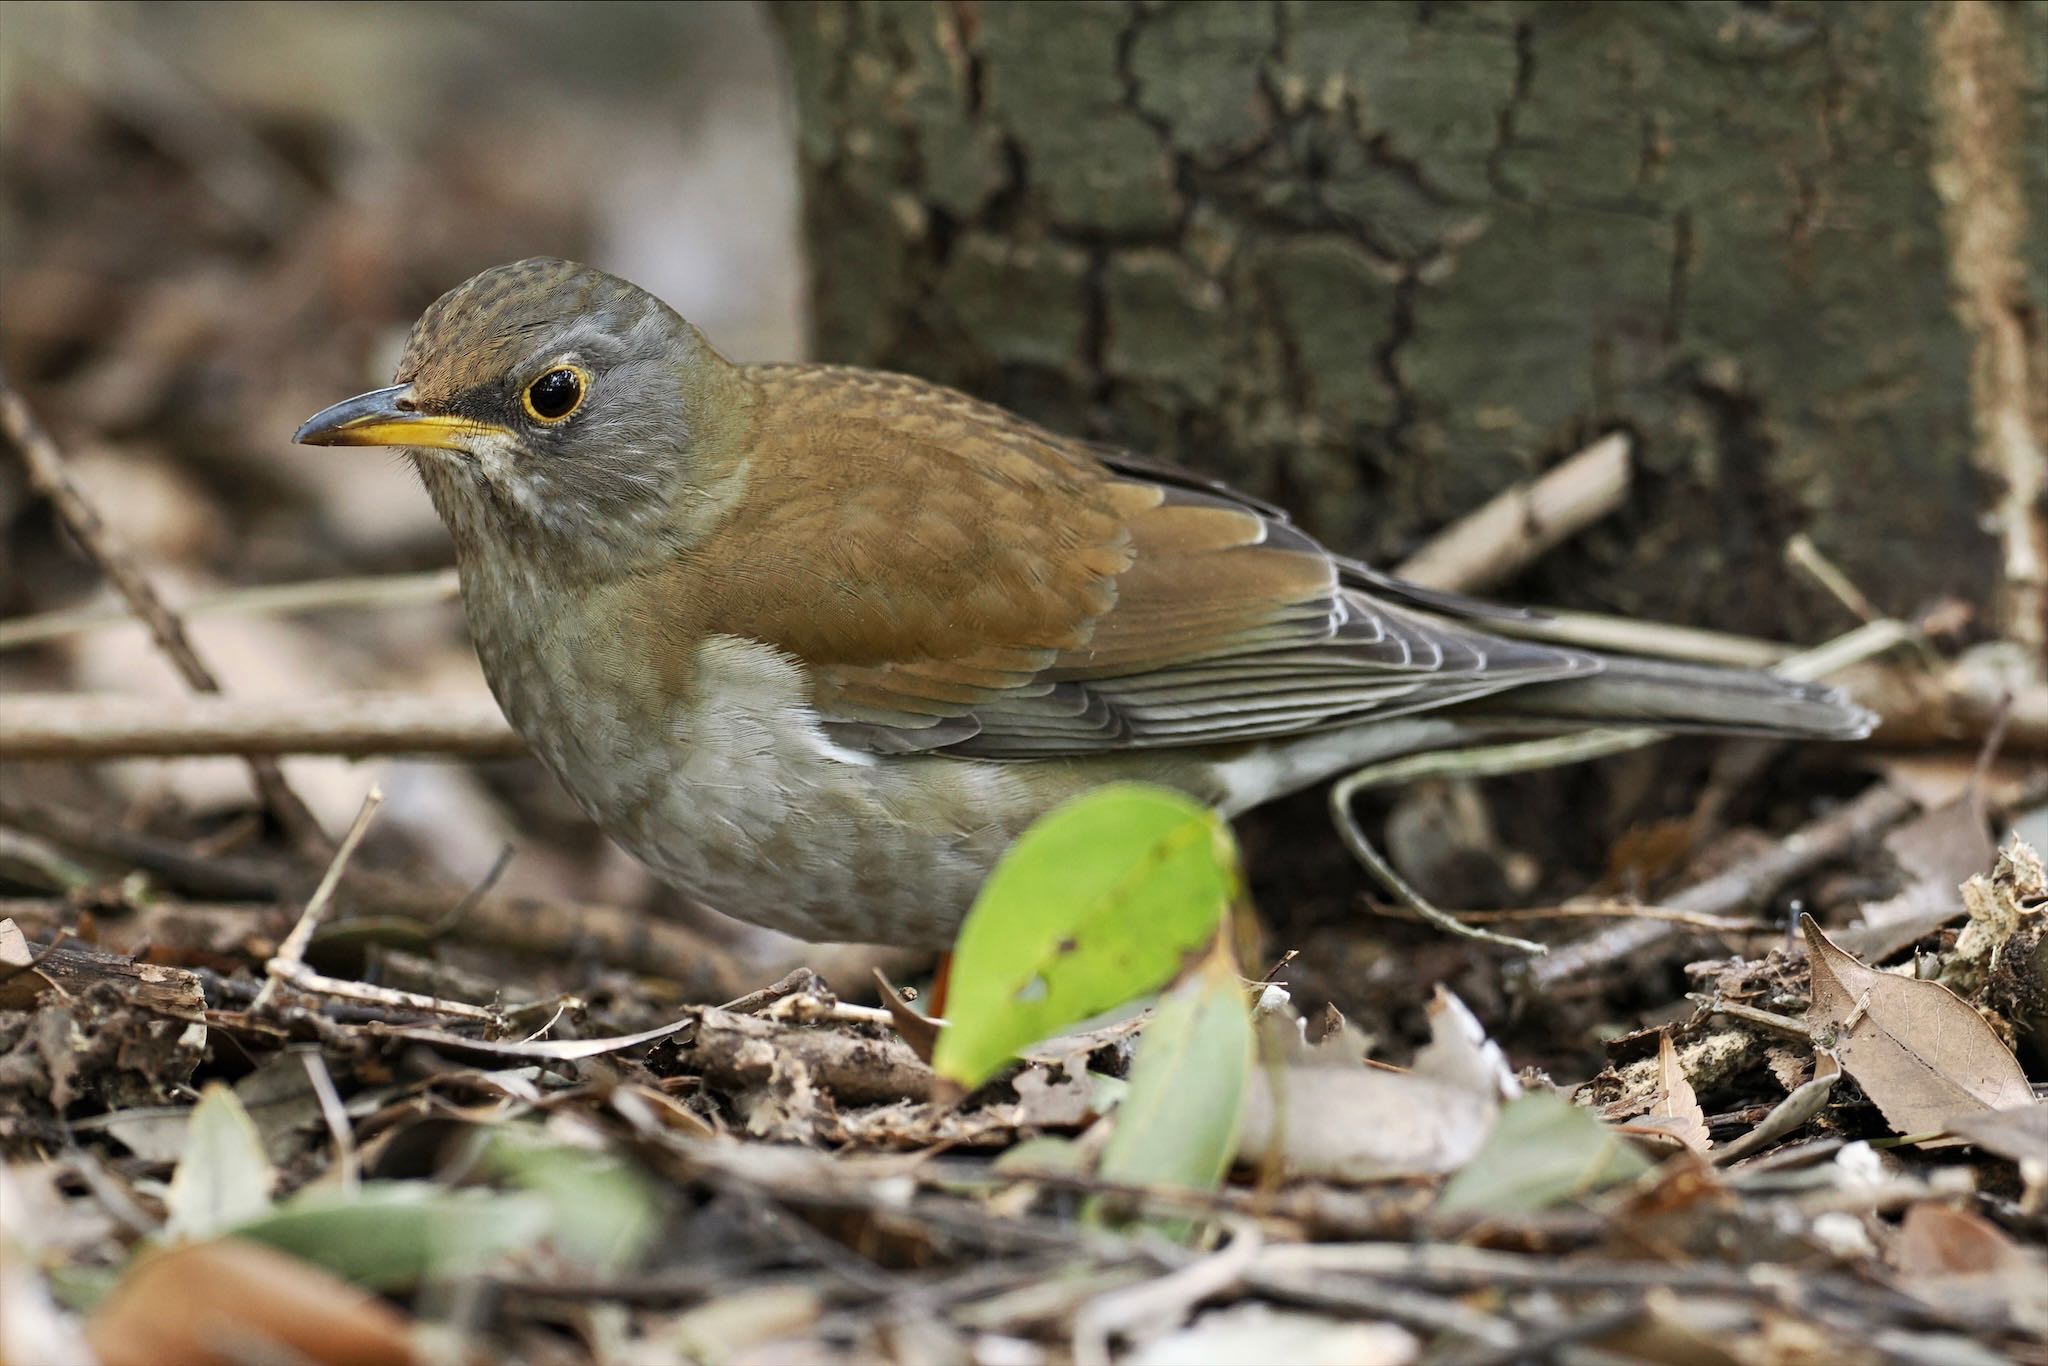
{"points": [[1098, 903], [223, 1176], [387, 1235], [602, 1212], [1921, 1053], [1544, 1150], [1178, 1125]]}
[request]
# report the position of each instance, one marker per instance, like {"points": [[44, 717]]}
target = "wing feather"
{"points": [[970, 584]]}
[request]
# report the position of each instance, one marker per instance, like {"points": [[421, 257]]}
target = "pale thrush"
{"points": [[816, 643]]}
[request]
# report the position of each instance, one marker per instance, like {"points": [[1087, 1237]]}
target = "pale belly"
{"points": [[736, 798]]}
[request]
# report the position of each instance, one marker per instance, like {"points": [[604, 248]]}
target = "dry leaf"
{"points": [[1955, 1259], [1803, 1104], [20, 984], [921, 1032], [1360, 1124], [1674, 1111], [1936, 851], [2020, 1134], [1920, 1052], [230, 1301]]}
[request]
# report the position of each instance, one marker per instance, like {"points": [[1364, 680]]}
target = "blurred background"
{"points": [[1376, 262], [216, 219]]}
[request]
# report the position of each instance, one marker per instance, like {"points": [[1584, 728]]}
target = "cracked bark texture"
{"points": [[1378, 262]]}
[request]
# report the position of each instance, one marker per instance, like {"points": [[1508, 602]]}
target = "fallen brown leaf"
{"points": [[1921, 1052], [21, 983], [230, 1302], [1952, 1257], [1675, 1111]]}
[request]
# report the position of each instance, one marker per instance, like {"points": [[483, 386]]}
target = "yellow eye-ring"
{"points": [[556, 394]]}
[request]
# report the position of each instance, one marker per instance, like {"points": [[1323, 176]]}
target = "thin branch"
{"points": [[291, 955], [1738, 889], [1491, 544], [274, 599], [1630, 635], [1166, 1300], [72, 726], [49, 476], [336, 1116], [1801, 553], [1600, 910]]}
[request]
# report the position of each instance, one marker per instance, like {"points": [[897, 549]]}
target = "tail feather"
{"points": [[1689, 697]]}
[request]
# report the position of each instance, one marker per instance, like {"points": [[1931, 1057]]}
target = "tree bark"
{"points": [[1379, 262]]}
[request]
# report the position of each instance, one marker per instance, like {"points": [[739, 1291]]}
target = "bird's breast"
{"points": [[706, 760]]}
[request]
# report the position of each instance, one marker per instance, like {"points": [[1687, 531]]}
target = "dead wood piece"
{"points": [[1738, 890], [736, 1052], [48, 475], [75, 969]]}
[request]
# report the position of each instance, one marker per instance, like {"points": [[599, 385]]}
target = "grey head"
{"points": [[548, 407]]}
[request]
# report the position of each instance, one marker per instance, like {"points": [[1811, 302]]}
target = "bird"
{"points": [[817, 643]]}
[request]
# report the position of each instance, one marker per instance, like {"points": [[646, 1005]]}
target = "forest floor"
{"points": [[1770, 1094]]}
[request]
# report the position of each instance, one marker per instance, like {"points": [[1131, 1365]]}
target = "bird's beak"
{"points": [[386, 417]]}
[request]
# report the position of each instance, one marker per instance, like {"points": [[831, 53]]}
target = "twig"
{"points": [[108, 726], [1877, 809], [291, 955], [1471, 763], [796, 981], [1359, 1297], [1958, 704], [1490, 544], [336, 1116], [1166, 1300], [1628, 635], [48, 475], [803, 1008], [1801, 553], [1607, 910], [279, 599], [1784, 1026]]}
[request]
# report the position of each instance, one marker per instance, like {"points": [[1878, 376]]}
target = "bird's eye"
{"points": [[554, 395]]}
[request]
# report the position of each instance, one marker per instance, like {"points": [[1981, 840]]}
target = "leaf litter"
{"points": [[739, 1181], [653, 1178]]}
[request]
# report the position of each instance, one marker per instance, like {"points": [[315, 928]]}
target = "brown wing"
{"points": [[957, 580]]}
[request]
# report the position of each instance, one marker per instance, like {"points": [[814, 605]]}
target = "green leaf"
{"points": [[223, 1175], [602, 1213], [1100, 902], [388, 1235], [1543, 1150], [1178, 1125]]}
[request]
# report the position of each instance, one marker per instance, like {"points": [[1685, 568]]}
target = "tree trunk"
{"points": [[1378, 262]]}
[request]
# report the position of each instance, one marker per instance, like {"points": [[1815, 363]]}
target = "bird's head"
{"points": [[552, 411]]}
